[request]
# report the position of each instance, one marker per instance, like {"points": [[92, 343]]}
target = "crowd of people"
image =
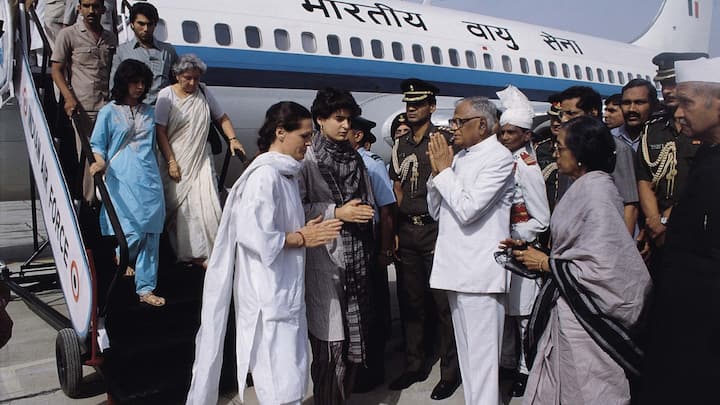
{"points": [[522, 251]]}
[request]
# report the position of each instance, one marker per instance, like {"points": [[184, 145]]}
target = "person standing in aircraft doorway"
{"points": [[425, 312]]}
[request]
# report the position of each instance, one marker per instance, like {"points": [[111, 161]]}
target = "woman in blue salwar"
{"points": [[123, 142]]}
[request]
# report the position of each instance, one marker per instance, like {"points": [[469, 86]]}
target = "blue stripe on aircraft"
{"points": [[228, 60]]}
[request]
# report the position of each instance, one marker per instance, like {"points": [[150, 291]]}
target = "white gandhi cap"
{"points": [[698, 70]]}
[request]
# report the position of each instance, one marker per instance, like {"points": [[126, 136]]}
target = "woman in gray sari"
{"points": [[580, 337]]}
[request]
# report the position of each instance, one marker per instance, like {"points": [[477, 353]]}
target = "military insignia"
{"points": [[696, 142], [527, 158]]}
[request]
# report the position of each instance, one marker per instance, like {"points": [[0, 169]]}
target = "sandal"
{"points": [[129, 272], [152, 299]]}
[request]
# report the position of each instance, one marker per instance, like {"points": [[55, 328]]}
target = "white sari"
{"points": [[193, 204]]}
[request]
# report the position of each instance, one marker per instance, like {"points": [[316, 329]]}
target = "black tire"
{"points": [[69, 362]]}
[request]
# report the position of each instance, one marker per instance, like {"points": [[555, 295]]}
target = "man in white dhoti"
{"points": [[260, 256], [469, 194], [529, 217]]}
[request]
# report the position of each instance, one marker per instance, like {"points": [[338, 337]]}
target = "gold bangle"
{"points": [[171, 161], [301, 237], [232, 139]]}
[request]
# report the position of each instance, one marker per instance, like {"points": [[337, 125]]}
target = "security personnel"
{"points": [[663, 158], [543, 140], [425, 312], [361, 137]]}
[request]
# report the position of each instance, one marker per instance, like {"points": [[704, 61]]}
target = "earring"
{"points": [[579, 164]]}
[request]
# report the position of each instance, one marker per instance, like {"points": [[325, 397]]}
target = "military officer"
{"points": [[425, 312], [663, 159]]}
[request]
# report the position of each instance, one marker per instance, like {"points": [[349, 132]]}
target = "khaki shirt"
{"points": [[87, 63]]}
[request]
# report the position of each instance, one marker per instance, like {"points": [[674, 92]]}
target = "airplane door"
{"points": [[6, 53]]}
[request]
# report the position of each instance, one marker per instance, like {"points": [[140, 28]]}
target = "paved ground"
{"points": [[27, 363]]}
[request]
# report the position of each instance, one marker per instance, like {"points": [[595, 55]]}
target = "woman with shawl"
{"points": [[123, 143], [334, 183], [182, 113], [260, 259], [580, 337]]}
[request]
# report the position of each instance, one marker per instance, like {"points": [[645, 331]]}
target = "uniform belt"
{"points": [[422, 219], [519, 213]]}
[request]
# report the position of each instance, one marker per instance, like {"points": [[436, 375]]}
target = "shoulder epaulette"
{"points": [[375, 156], [528, 159]]}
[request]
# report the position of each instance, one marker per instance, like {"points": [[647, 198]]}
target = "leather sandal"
{"points": [[152, 299]]}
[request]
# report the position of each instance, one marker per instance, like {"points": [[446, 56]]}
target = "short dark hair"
{"points": [[330, 99], [286, 115], [146, 9], [614, 99], [591, 142], [651, 91], [589, 99], [130, 71]]}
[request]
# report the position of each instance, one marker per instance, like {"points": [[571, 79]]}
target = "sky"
{"points": [[621, 20]]}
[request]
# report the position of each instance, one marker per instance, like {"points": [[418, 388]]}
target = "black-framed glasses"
{"points": [[459, 122], [558, 148]]}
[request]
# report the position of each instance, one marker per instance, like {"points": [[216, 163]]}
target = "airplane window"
{"points": [[377, 49], [524, 67], [333, 44], [487, 59], [539, 67], [252, 37], [639, 76], [566, 70], [578, 72], [397, 50], [308, 42], [418, 54], [611, 76], [161, 32], [601, 75], [553, 69], [454, 57], [630, 76], [222, 34], [647, 78], [356, 46], [191, 32], [507, 63], [589, 72], [621, 77], [436, 55], [471, 61], [282, 39]]}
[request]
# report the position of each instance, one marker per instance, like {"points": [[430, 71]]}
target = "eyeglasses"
{"points": [[558, 148], [459, 122]]}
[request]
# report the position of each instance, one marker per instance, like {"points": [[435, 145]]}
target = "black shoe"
{"points": [[407, 379], [518, 387], [444, 389]]}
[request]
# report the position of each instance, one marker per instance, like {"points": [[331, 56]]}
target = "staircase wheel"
{"points": [[69, 362]]}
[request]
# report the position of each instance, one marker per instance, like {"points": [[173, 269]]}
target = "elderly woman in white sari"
{"points": [[260, 256], [182, 115], [580, 337]]}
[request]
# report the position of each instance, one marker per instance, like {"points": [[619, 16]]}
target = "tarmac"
{"points": [[28, 373]]}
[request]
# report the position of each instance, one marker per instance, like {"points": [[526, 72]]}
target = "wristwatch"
{"points": [[389, 253], [664, 220]]}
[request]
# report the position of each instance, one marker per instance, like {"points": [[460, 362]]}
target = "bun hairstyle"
{"points": [[591, 142], [286, 115]]}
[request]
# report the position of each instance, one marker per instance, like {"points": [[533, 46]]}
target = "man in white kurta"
{"points": [[268, 284], [469, 194]]}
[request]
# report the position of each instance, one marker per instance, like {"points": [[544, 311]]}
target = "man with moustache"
{"points": [[425, 312], [470, 196], [157, 55], [682, 356], [663, 158]]}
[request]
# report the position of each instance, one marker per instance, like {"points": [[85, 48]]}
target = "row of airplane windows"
{"points": [[281, 37]]}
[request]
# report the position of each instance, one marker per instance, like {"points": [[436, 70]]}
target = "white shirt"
{"points": [[529, 190], [471, 201]]}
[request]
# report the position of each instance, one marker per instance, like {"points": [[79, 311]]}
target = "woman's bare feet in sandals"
{"points": [[152, 299]]}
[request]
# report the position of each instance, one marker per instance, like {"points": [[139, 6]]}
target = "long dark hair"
{"points": [[286, 115], [130, 71]]}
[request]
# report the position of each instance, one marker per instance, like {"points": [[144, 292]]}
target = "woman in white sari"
{"points": [[182, 116]]}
